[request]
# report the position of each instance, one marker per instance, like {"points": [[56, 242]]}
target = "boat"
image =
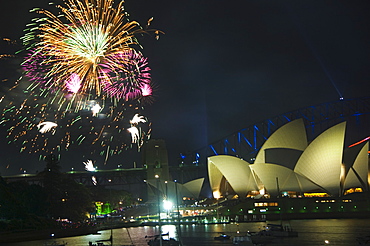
{"points": [[222, 236], [363, 240], [244, 240], [155, 240], [110, 240], [97, 244], [261, 239], [278, 230], [165, 242], [55, 243]]}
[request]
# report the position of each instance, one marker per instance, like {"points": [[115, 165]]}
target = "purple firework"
{"points": [[35, 68], [128, 79]]}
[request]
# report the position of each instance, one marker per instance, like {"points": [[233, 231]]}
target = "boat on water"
{"points": [[101, 242], [55, 243], [165, 242], [363, 240], [243, 240], [156, 240], [278, 230], [267, 235], [222, 236], [98, 244]]}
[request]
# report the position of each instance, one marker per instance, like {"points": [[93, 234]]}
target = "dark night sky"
{"points": [[223, 65]]}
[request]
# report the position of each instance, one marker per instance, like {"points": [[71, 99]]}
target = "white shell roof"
{"points": [[235, 170], [361, 170], [321, 161], [291, 135], [273, 175]]}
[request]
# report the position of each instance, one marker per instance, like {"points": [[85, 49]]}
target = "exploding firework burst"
{"points": [[93, 40], [37, 128], [130, 82], [85, 80]]}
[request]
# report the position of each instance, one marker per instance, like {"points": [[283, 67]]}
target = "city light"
{"points": [[167, 204]]}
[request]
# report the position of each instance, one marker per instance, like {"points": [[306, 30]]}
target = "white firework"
{"points": [[134, 134], [89, 166], [46, 126], [95, 109], [137, 119], [94, 181]]}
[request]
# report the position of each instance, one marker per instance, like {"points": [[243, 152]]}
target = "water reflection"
{"points": [[171, 230], [311, 232]]}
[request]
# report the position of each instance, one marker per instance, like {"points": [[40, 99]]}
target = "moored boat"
{"points": [[55, 243], [363, 240], [244, 240], [156, 240], [222, 236], [277, 230]]}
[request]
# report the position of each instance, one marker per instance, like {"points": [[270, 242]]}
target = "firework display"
{"points": [[84, 80], [127, 85]]}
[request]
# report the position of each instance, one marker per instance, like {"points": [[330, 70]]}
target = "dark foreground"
{"points": [[339, 232]]}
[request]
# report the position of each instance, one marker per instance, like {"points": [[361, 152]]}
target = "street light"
{"points": [[167, 204], [159, 211], [178, 214]]}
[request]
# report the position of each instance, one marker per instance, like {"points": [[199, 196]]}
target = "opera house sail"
{"points": [[287, 164]]}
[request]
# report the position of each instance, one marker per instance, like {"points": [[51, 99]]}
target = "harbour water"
{"points": [[311, 232]]}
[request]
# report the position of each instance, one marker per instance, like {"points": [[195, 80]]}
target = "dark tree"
{"points": [[65, 197]]}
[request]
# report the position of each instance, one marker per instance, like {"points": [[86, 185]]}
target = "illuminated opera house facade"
{"points": [[288, 166]]}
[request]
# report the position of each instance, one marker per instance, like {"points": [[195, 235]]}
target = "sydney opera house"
{"points": [[294, 177], [288, 165]]}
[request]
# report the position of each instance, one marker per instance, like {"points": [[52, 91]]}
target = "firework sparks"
{"points": [[95, 109], [94, 41], [93, 180], [134, 134], [137, 119], [134, 129], [128, 82], [89, 166], [74, 83], [46, 126], [146, 90], [103, 132], [84, 79]]}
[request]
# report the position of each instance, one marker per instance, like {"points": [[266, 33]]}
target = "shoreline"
{"points": [[31, 235], [45, 234]]}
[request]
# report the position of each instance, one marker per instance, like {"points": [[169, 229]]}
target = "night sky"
{"points": [[224, 65]]}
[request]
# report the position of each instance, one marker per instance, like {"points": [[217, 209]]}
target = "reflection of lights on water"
{"points": [[170, 229]]}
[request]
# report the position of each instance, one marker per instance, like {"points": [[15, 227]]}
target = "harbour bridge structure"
{"points": [[246, 142]]}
